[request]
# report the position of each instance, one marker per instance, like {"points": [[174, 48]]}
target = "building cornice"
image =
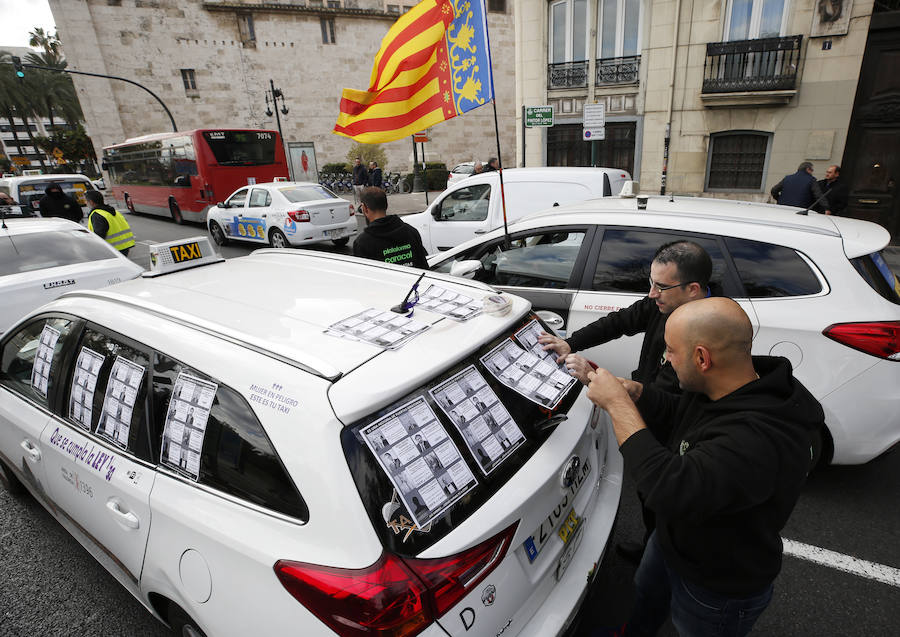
{"points": [[302, 9]]}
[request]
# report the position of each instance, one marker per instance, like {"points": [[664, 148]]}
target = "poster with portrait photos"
{"points": [[122, 389], [379, 327], [421, 460], [84, 381], [43, 360], [454, 305], [539, 380], [475, 410], [186, 419]]}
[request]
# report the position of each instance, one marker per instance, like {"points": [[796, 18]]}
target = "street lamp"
{"points": [[273, 94]]}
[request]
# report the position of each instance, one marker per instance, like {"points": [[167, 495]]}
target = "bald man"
{"points": [[725, 482]]}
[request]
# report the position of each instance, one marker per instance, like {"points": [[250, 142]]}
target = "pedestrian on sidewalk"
{"points": [[360, 178], [836, 192], [374, 175], [800, 189]]}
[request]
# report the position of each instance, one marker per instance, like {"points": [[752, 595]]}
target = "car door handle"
{"points": [[552, 319], [129, 519], [31, 450], [480, 231]]}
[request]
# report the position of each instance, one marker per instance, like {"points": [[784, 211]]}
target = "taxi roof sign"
{"points": [[181, 254]]}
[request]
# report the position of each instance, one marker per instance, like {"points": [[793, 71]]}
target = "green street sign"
{"points": [[538, 116]]}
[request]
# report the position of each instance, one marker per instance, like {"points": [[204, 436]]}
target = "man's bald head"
{"points": [[717, 323]]}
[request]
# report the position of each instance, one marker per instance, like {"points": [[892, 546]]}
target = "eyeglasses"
{"points": [[663, 288]]}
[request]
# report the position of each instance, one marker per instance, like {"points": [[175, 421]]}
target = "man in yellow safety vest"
{"points": [[109, 224]]}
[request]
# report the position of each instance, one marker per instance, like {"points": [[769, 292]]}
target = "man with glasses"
{"points": [[679, 273]]}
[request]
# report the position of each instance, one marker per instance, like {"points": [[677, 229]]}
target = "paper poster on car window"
{"points": [[454, 305], [122, 389], [378, 327], [84, 381], [489, 430], [186, 419], [539, 380], [420, 459], [43, 359]]}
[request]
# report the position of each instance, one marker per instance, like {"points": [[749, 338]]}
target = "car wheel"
{"points": [[341, 242], [182, 624], [277, 239], [9, 481], [176, 213], [218, 234]]}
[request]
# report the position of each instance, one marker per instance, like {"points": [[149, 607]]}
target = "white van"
{"points": [[28, 190], [473, 206]]}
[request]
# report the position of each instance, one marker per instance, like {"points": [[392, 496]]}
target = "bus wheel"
{"points": [[277, 239], [217, 234], [176, 213]]}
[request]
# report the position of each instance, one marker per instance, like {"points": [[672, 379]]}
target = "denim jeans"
{"points": [[696, 611]]}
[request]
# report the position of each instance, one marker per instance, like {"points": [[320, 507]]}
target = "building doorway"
{"points": [[565, 146]]}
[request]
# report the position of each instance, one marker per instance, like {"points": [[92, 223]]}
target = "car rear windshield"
{"points": [[878, 274], [298, 194], [30, 193], [40, 250], [493, 430], [241, 148]]}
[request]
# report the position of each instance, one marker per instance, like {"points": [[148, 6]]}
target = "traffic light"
{"points": [[17, 64]]}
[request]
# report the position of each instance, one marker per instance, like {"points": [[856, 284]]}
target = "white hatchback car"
{"points": [[462, 171], [283, 214], [247, 461], [42, 258], [816, 288]]}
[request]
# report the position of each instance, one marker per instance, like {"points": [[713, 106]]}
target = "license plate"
{"points": [[335, 234], [571, 547], [569, 526], [554, 521]]}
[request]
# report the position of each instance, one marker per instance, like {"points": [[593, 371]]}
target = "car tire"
{"points": [[218, 235], [9, 481], [177, 217], [277, 239], [341, 242], [182, 624]]}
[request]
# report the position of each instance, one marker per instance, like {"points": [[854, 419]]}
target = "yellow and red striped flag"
{"points": [[433, 65]]}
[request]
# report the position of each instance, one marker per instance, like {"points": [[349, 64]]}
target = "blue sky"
{"points": [[18, 17]]}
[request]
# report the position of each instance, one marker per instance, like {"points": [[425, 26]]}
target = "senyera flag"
{"points": [[433, 65]]}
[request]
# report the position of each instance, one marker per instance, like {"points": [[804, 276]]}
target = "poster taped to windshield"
{"points": [[379, 327], [454, 305], [118, 404], [186, 419], [84, 381], [489, 430], [43, 359], [528, 336], [540, 381], [421, 460]]}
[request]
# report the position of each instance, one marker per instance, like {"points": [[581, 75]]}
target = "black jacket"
{"points": [[800, 189], [641, 316], [360, 175], [375, 177], [837, 194], [391, 240], [56, 203], [729, 476]]}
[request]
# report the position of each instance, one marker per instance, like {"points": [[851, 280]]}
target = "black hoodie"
{"points": [[729, 476], [391, 240], [56, 203]]}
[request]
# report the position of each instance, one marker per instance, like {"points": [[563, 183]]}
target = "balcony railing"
{"points": [[567, 75], [618, 70], [766, 64]]}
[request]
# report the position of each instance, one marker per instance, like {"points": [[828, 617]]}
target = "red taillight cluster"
{"points": [[395, 596], [352, 210], [298, 215], [878, 338]]}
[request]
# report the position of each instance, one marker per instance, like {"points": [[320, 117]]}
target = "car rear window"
{"points": [[438, 422], [30, 193], [768, 270], [40, 250], [307, 193], [878, 274]]}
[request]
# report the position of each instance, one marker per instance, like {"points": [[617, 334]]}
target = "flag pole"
{"points": [[487, 33]]}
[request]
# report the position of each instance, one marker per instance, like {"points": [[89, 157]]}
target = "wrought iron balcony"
{"points": [[766, 64], [618, 70], [567, 75]]}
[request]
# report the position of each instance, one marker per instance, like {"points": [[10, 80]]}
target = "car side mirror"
{"points": [[436, 213], [465, 269], [222, 204]]}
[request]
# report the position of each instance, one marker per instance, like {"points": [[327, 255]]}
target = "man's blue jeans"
{"points": [[696, 611]]}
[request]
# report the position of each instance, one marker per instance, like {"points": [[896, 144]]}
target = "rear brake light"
{"points": [[352, 210], [394, 597], [878, 338], [298, 215]]}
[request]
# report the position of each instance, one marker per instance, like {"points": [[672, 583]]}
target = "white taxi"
{"points": [[378, 451], [42, 258], [283, 214]]}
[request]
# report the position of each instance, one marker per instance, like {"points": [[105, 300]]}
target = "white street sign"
{"points": [[592, 134], [594, 115]]}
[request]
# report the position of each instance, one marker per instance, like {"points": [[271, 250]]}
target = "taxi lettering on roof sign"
{"points": [[181, 254], [186, 252]]}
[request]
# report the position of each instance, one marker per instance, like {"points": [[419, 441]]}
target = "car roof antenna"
{"points": [[815, 203], [405, 306]]}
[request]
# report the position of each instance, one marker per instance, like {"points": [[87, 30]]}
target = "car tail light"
{"points": [[878, 338], [352, 210], [394, 597], [298, 215]]}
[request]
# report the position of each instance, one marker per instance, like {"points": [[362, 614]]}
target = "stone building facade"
{"points": [[748, 89], [211, 63]]}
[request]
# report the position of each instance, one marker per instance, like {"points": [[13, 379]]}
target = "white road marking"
{"points": [[847, 563]]}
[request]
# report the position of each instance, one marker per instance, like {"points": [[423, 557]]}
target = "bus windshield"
{"points": [[241, 148]]}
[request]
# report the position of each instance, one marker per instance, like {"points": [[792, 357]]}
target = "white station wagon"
{"points": [[254, 458]]}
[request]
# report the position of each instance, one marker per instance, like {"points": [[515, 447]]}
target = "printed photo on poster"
{"points": [[186, 420], [421, 460], [43, 359], [539, 380], [84, 381], [122, 389], [475, 410], [378, 327], [454, 305]]}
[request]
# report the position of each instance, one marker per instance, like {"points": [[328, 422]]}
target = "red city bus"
{"points": [[180, 175]]}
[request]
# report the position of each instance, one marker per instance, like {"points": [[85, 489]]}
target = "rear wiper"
{"points": [[551, 422]]}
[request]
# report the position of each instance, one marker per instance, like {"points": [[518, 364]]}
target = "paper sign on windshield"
{"points": [[539, 380]]}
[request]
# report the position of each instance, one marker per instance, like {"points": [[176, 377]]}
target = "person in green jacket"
{"points": [[107, 223]]}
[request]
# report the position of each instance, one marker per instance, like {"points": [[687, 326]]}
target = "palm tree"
{"points": [[44, 40], [14, 102]]}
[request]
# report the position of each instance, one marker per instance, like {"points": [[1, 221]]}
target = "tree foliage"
{"points": [[368, 152], [74, 143]]}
